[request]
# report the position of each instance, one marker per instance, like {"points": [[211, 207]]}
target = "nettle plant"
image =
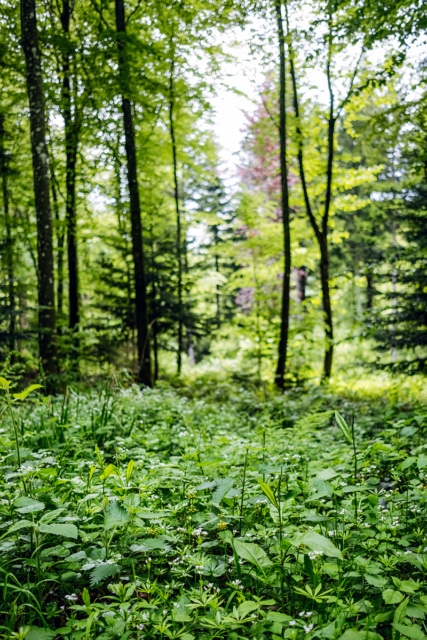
{"points": [[144, 514]]}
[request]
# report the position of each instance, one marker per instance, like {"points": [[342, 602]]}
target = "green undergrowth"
{"points": [[136, 514]]}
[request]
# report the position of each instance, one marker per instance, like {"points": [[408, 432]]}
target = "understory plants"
{"points": [[131, 514]]}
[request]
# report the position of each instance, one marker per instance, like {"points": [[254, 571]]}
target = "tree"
{"points": [[283, 135], [331, 23], [45, 270], [142, 326]]}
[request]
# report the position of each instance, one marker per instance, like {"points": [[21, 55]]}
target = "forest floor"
{"points": [[212, 512]]}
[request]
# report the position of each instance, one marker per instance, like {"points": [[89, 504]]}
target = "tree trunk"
{"points": [[369, 289], [284, 330], [301, 273], [327, 308], [180, 335], [217, 271], [320, 230], [4, 169], [142, 328], [60, 238], [46, 295], [71, 147]]}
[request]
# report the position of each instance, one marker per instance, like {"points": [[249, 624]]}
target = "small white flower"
{"points": [[72, 597], [308, 627]]}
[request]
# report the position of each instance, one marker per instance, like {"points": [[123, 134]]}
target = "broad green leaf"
{"points": [[103, 571], [392, 597], [149, 544], [376, 581], [110, 470], [343, 426], [223, 487], [28, 505], [38, 633], [23, 394], [253, 553], [61, 529], [4, 384], [268, 491], [407, 586], [399, 614], [247, 607], [414, 632], [116, 516], [22, 524], [355, 634], [316, 542]]}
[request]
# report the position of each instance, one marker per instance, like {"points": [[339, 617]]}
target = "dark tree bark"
{"points": [[60, 240], [301, 273], [4, 171], [142, 327], [179, 257], [284, 330], [71, 129], [217, 271], [46, 295], [370, 290]]}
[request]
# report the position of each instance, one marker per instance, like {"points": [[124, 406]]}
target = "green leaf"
{"points": [[28, 505], [116, 516], [376, 581], [86, 597], [149, 544], [22, 524], [4, 384], [110, 470], [355, 634], [26, 392], [253, 553], [61, 529], [247, 607], [343, 426], [392, 597], [268, 491], [37, 633], [316, 542], [410, 632], [223, 487], [129, 469], [399, 614], [103, 571]]}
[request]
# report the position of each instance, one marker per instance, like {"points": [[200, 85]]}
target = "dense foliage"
{"points": [[150, 514]]}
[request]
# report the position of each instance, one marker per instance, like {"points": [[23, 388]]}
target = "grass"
{"points": [[212, 513]]}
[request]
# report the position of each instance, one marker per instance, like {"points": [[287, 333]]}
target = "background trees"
{"points": [[161, 254]]}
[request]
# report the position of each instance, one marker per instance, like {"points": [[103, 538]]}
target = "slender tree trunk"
{"points": [[60, 237], [154, 310], [320, 230], [301, 273], [142, 327], [4, 169], [71, 148], [369, 289], [177, 214], [217, 294], [46, 294], [284, 330]]}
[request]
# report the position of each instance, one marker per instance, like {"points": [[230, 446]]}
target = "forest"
{"points": [[213, 409]]}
